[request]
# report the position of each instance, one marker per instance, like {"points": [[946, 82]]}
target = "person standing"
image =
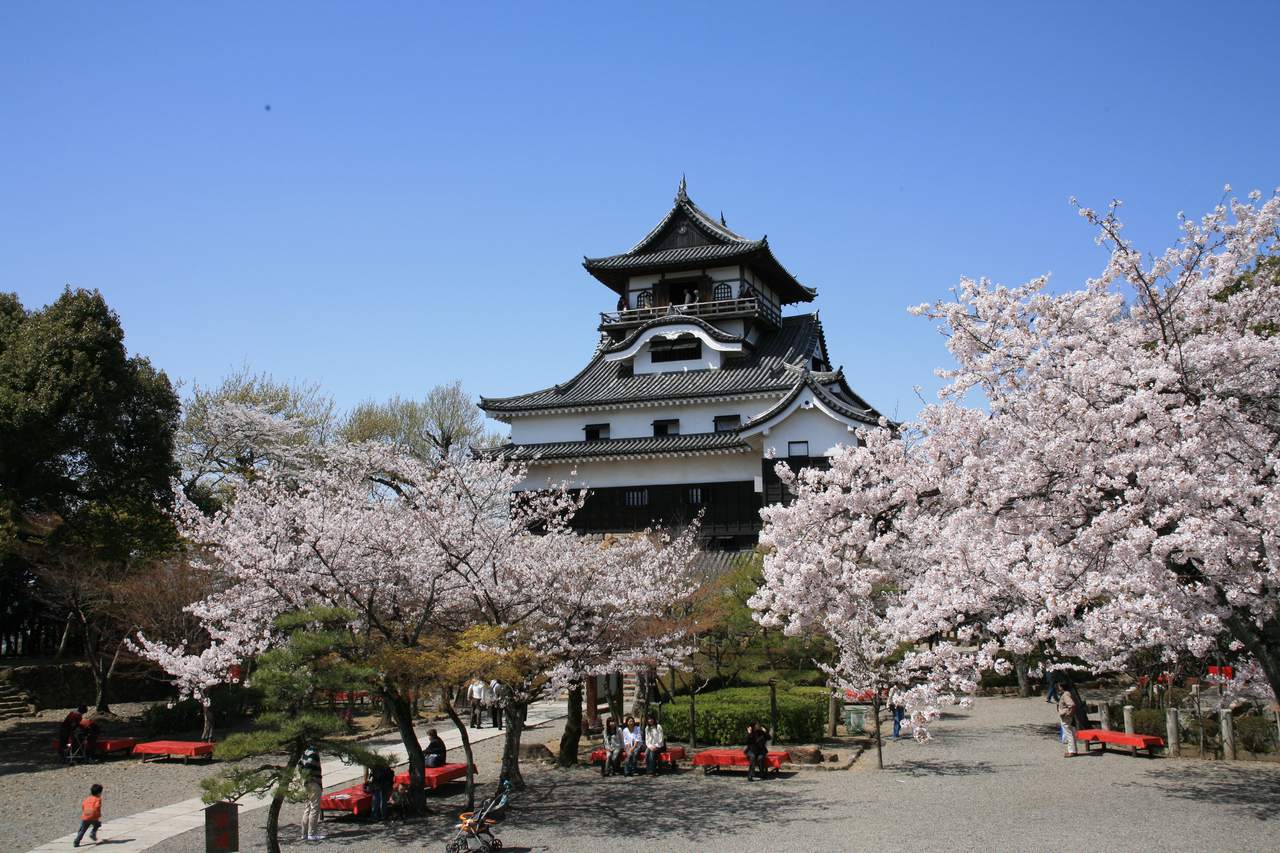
{"points": [[1067, 714], [69, 725], [313, 782], [757, 750], [497, 702], [898, 713], [1050, 686], [381, 780], [90, 815], [655, 741], [475, 697]]}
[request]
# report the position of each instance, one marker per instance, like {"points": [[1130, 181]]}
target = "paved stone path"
{"points": [[146, 829]]}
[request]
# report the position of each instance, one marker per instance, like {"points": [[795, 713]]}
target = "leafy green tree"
{"points": [[86, 458], [445, 423], [316, 657]]}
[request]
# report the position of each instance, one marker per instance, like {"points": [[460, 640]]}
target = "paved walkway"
{"points": [[148, 828]]}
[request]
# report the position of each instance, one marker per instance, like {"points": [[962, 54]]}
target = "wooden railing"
{"points": [[721, 308]]}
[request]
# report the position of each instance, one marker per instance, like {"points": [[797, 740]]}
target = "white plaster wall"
{"points": [[812, 425], [724, 468], [632, 423]]}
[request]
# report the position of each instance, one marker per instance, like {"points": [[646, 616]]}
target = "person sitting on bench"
{"points": [[435, 752], [655, 741], [757, 749], [612, 748]]}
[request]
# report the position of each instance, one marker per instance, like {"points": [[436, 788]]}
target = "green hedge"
{"points": [[723, 715]]}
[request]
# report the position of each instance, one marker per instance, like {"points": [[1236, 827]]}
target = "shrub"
{"points": [[1148, 721], [1256, 734], [723, 715], [231, 703]]}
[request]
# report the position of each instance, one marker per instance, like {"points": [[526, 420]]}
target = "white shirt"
{"points": [[477, 690], [630, 737], [653, 737]]}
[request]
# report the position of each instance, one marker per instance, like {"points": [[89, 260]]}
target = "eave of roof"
{"points": [[626, 448], [762, 372]]}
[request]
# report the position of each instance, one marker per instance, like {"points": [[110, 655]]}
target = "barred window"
{"points": [[635, 497]]}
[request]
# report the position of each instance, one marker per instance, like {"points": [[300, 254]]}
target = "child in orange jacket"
{"points": [[90, 815]]}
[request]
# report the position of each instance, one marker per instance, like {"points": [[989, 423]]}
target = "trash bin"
{"points": [[855, 719]]}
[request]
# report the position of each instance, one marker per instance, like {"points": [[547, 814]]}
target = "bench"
{"points": [[437, 776], [714, 759], [353, 800], [668, 756], [113, 745], [1102, 737], [188, 749]]}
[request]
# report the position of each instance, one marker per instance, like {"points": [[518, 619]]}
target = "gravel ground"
{"points": [[42, 795], [994, 779]]}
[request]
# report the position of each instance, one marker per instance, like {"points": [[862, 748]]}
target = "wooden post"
{"points": [[1228, 734], [1128, 726], [693, 720], [593, 702], [773, 708], [1104, 716], [1173, 734], [833, 711]]}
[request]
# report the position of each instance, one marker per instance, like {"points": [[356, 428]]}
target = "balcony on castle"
{"points": [[747, 307]]}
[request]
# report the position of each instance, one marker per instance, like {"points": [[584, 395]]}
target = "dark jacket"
{"points": [[309, 764], [758, 741], [435, 746], [382, 777]]}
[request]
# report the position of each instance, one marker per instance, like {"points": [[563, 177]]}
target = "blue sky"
{"points": [[415, 205]]}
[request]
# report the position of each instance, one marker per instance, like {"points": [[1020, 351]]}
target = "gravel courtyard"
{"points": [[994, 779]]}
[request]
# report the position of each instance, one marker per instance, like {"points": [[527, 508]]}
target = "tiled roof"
{"points": [[817, 383], [765, 369], [675, 257], [664, 445], [723, 246]]}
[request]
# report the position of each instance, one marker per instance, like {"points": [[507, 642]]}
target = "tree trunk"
{"points": [[62, 644], [1262, 642], [417, 761], [101, 676], [614, 683], [1020, 667], [572, 727], [277, 800], [516, 714], [452, 714], [875, 712], [206, 733]]}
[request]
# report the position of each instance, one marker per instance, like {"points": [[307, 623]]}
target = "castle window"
{"points": [[635, 497], [722, 291], [596, 432], [670, 426], [727, 423], [683, 348], [696, 496], [797, 448], [644, 298]]}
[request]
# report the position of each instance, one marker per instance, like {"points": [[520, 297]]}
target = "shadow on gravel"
{"points": [[580, 804], [1050, 730], [1254, 792], [936, 767], [28, 747]]}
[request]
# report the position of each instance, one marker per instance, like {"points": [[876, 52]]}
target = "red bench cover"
{"points": [[1108, 736], [188, 748], [108, 745], [353, 799], [437, 776], [735, 758], [671, 754]]}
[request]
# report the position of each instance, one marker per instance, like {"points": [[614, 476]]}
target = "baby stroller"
{"points": [[477, 826]]}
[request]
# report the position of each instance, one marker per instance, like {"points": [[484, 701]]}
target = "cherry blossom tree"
{"points": [[1117, 493], [418, 550]]}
